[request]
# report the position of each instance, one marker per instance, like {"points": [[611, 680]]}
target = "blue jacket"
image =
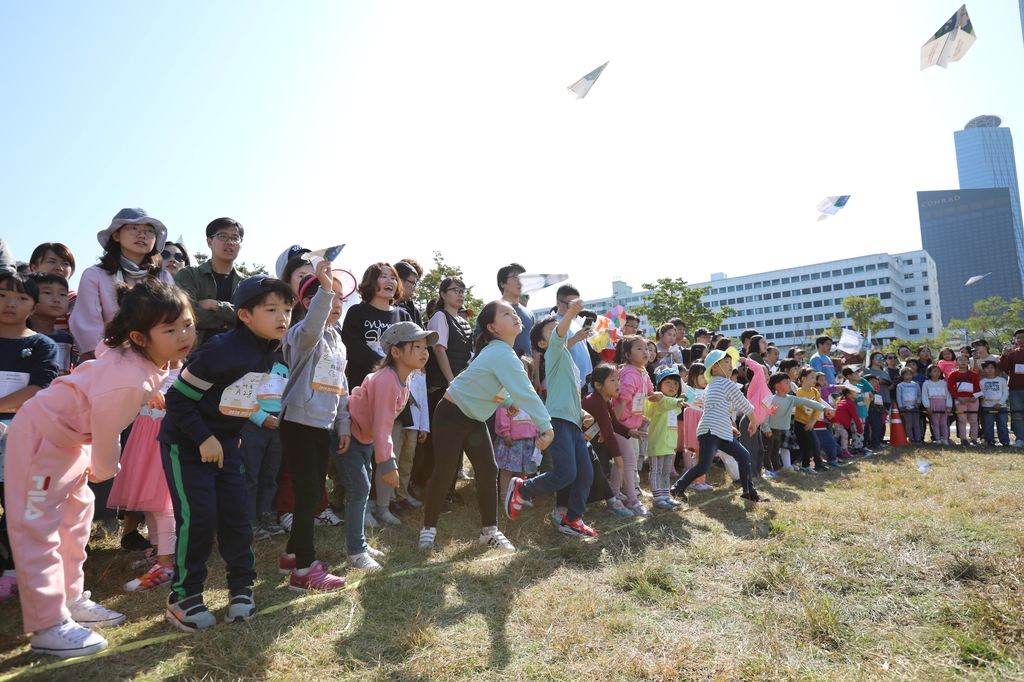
{"points": [[216, 391]]}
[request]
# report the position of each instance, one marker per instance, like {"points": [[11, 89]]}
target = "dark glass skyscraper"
{"points": [[971, 232], [985, 159]]}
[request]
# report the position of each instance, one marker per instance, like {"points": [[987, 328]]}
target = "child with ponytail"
{"points": [[68, 435]]}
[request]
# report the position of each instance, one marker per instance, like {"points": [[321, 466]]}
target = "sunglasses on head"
{"points": [[180, 257]]}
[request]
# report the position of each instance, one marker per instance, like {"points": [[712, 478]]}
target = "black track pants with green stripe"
{"points": [[208, 500]]}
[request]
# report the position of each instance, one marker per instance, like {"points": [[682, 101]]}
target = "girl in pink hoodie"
{"points": [[373, 408], [634, 387], [68, 435]]}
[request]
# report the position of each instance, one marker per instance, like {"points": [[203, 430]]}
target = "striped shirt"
{"points": [[720, 399]]}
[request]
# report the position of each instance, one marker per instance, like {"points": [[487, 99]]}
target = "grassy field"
{"points": [[874, 571]]}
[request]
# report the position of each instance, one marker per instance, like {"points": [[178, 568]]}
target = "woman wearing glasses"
{"points": [[130, 245]]}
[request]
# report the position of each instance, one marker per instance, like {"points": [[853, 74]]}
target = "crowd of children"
{"points": [[212, 406]]}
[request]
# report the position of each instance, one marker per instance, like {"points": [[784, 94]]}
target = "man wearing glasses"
{"points": [[410, 272], [212, 285], [577, 342]]}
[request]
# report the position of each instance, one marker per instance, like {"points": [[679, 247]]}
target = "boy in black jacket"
{"points": [[206, 409]]}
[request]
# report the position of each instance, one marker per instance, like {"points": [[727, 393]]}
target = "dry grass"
{"points": [[871, 572]]}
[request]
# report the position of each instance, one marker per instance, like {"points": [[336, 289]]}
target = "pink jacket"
{"points": [[373, 407], [96, 305], [632, 381], [504, 425], [757, 389], [93, 405]]}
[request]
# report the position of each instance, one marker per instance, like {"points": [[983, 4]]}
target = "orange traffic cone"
{"points": [[897, 435]]}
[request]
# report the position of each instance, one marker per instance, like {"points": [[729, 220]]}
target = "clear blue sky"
{"points": [[400, 128]]}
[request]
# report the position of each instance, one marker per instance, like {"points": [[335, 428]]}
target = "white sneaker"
{"points": [[368, 520], [286, 521], [67, 640], [375, 553], [770, 474], [363, 561], [86, 612], [413, 501], [326, 518], [492, 537], [427, 536]]}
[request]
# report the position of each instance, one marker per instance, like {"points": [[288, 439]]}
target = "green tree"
{"points": [[835, 327], [994, 318], [245, 269], [426, 289], [864, 311], [672, 298]]}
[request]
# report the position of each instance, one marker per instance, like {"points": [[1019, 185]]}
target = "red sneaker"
{"points": [[286, 565], [317, 579], [577, 528], [514, 502]]}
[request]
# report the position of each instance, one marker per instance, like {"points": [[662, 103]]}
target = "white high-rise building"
{"points": [[794, 305]]}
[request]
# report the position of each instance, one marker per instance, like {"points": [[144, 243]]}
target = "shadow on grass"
{"points": [[232, 650]]}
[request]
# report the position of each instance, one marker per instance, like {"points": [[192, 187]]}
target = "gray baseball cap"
{"points": [[402, 332]]}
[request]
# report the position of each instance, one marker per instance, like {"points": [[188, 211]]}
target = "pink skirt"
{"points": [[141, 484], [691, 417]]}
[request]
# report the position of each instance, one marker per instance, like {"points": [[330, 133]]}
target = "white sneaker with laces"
{"points": [[385, 516], [326, 518], [86, 612], [286, 521], [427, 536], [363, 561], [492, 537], [67, 640], [375, 553], [368, 520]]}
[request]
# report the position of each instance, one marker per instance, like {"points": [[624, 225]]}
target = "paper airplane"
{"points": [[531, 281], [976, 278], [329, 254], [831, 205], [852, 342], [924, 467], [950, 42], [581, 87]]}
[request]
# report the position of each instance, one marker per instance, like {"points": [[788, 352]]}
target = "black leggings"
{"points": [[423, 464], [455, 433], [306, 449], [808, 445]]}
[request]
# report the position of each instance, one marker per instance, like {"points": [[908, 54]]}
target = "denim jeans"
{"points": [[571, 467], [709, 445], [261, 453], [829, 446], [998, 421], [875, 429], [355, 470], [1017, 414]]}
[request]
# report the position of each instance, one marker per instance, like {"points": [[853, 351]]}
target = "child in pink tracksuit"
{"points": [[634, 387], [68, 435]]}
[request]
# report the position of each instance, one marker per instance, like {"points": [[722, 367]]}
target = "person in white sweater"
{"points": [[993, 404]]}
